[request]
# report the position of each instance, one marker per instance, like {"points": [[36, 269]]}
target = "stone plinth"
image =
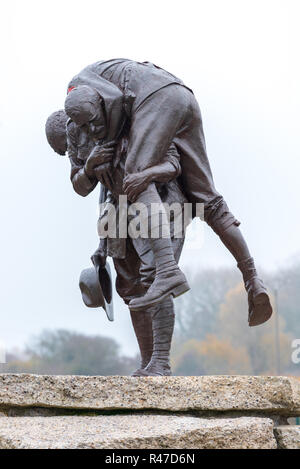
{"points": [[288, 436], [275, 395], [209, 412], [131, 431]]}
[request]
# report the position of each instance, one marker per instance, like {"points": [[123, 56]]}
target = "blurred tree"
{"points": [[210, 356], [186, 359], [234, 348], [287, 284], [258, 341], [196, 311], [65, 352], [211, 335], [221, 357]]}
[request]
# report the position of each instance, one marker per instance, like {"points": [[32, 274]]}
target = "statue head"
{"points": [[56, 131], [84, 106]]}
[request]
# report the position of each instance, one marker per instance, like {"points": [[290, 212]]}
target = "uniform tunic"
{"points": [[133, 258]]}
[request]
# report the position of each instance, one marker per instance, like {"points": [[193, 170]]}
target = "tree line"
{"points": [[211, 334]]}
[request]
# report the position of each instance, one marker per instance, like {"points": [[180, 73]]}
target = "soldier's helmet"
{"points": [[56, 131]]}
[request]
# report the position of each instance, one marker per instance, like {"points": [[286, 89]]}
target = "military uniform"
{"points": [[133, 258]]}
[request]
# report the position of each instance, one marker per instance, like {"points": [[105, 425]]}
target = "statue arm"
{"points": [[166, 171], [82, 183]]}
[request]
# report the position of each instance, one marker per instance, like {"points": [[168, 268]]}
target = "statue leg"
{"points": [[161, 315], [169, 280], [259, 306], [129, 285], [163, 318], [142, 325]]}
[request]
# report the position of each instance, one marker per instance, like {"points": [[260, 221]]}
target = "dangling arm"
{"points": [[83, 183]]}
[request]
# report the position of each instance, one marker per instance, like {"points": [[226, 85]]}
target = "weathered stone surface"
{"points": [[276, 395], [288, 436], [135, 431]]}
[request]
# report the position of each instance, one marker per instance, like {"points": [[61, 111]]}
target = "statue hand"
{"points": [[134, 184], [100, 154], [99, 256], [104, 175]]}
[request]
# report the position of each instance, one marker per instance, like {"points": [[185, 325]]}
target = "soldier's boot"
{"points": [[259, 305], [169, 279], [142, 325], [163, 319]]}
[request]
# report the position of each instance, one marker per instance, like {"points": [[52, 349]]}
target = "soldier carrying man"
{"points": [[160, 111]]}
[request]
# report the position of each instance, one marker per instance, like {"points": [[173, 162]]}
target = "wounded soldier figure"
{"points": [[159, 111]]}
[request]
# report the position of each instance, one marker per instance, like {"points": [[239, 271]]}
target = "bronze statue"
{"points": [[137, 130], [162, 110]]}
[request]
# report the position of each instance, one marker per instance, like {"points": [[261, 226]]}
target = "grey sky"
{"points": [[242, 61]]}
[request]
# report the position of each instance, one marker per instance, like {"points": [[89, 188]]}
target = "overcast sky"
{"points": [[241, 58]]}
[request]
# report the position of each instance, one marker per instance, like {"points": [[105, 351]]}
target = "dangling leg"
{"points": [[163, 318], [233, 239], [142, 324], [199, 186], [169, 280], [227, 228]]}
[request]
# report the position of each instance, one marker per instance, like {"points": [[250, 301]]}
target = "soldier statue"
{"points": [[137, 130]]}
